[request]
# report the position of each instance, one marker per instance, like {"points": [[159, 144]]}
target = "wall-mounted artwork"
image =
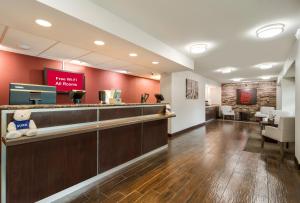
{"points": [[192, 89], [247, 96]]}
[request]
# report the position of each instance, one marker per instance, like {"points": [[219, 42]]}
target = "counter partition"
{"points": [[76, 143]]}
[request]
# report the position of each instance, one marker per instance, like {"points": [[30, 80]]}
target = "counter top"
{"points": [[46, 134], [213, 105], [43, 106]]}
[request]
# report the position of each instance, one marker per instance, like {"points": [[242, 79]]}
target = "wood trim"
{"points": [[89, 127], [188, 129]]}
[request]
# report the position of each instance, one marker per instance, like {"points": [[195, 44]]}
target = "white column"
{"points": [[297, 76]]}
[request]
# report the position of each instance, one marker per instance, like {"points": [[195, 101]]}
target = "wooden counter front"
{"points": [[76, 144]]}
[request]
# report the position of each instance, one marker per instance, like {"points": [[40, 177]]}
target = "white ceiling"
{"points": [[172, 24], [70, 38], [229, 25]]}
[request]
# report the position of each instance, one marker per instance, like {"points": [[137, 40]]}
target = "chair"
{"points": [[264, 112], [227, 111], [279, 113], [284, 133]]}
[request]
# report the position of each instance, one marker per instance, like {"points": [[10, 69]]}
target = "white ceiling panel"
{"points": [[119, 63], [114, 65], [64, 51], [139, 70], [14, 39], [95, 58]]}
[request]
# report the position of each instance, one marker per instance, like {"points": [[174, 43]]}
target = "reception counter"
{"points": [[211, 112], [76, 143]]}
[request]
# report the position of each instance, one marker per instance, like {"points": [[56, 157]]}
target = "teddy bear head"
{"points": [[22, 115]]}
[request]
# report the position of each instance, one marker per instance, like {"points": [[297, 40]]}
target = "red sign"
{"points": [[64, 81]]}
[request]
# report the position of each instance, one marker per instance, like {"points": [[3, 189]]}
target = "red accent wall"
{"points": [[20, 68]]}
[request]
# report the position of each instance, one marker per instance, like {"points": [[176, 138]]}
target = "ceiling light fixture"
{"points": [[133, 55], [198, 48], [155, 62], [24, 46], [121, 71], [265, 66], [236, 79], [270, 31], [77, 62], [265, 77], [99, 43], [43, 23], [226, 70]]}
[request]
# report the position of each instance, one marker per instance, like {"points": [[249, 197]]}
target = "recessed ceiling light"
{"points": [[155, 62], [77, 62], [121, 71], [270, 31], [265, 66], [198, 48], [43, 23], [99, 43], [265, 77], [133, 54], [24, 46], [236, 79], [226, 70]]}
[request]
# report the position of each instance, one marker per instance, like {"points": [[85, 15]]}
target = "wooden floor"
{"points": [[204, 165]]}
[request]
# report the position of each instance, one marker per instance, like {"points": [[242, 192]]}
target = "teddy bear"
{"points": [[22, 125]]}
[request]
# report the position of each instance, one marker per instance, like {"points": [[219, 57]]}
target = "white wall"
{"points": [[278, 97], [288, 95], [297, 76], [213, 94], [166, 90], [189, 112]]}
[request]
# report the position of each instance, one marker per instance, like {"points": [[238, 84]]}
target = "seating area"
{"points": [[264, 112], [227, 112], [277, 126], [283, 132]]}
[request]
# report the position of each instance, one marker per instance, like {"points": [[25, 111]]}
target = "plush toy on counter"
{"points": [[21, 126]]}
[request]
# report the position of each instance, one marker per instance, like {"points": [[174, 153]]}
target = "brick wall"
{"points": [[266, 96]]}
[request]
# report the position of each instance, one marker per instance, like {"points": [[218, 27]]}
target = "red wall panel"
{"points": [[27, 69]]}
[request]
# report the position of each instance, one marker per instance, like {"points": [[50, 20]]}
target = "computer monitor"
{"points": [[26, 94], [76, 96], [159, 98]]}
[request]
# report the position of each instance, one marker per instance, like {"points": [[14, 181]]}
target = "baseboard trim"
{"points": [[189, 129]]}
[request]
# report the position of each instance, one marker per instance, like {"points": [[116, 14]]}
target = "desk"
{"points": [[75, 143], [211, 112]]}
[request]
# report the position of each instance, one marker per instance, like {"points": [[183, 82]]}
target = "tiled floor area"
{"points": [[204, 165]]}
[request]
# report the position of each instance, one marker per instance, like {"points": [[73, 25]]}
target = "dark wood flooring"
{"points": [[204, 165]]}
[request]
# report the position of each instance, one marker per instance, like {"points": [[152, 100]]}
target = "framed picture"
{"points": [[246, 96], [192, 89]]}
